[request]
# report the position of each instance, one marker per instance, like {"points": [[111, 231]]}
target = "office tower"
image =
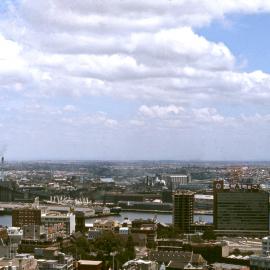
{"points": [[183, 202], [26, 216], [240, 210]]}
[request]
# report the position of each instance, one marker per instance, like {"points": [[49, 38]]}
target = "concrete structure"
{"points": [[266, 246], [10, 238], [89, 265], [20, 262], [51, 258], [124, 230], [15, 234], [51, 218], [183, 204], [240, 210], [149, 230], [34, 232], [26, 216], [261, 262]]}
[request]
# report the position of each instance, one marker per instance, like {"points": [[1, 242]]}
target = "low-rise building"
{"points": [[89, 265], [178, 259], [139, 264], [261, 262], [266, 245], [106, 225], [124, 230], [20, 262], [227, 266], [34, 232], [68, 220], [51, 258], [148, 229], [169, 244], [10, 239], [94, 234]]}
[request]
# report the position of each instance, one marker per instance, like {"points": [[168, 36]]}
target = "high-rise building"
{"points": [[183, 203], [26, 216], [240, 210]]}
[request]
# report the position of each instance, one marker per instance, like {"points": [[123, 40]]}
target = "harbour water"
{"points": [[163, 218]]}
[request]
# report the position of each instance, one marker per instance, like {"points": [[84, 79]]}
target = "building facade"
{"points": [[266, 246], [176, 181], [183, 208], [240, 210], [26, 216], [52, 218]]}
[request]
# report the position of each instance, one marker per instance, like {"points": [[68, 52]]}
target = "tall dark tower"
{"points": [[183, 204]]}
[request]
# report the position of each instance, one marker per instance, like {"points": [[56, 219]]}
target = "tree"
{"points": [[167, 232], [209, 234], [130, 248]]}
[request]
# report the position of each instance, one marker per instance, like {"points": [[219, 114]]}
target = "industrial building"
{"points": [[176, 181]]}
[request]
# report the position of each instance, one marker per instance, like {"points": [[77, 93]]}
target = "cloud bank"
{"points": [[115, 73]]}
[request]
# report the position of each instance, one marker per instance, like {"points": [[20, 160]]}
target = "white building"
{"points": [[67, 219], [106, 211], [266, 245], [175, 181], [124, 231], [262, 262]]}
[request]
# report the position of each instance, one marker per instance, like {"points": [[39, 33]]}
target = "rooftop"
{"points": [[88, 262]]}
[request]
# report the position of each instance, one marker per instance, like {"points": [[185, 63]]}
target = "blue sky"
{"points": [[246, 36], [186, 80]]}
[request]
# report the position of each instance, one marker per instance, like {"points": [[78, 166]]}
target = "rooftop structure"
{"points": [[89, 265]]}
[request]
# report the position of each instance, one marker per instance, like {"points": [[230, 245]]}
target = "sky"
{"points": [[135, 80]]}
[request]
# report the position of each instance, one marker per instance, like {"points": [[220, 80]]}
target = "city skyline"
{"points": [[119, 80]]}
